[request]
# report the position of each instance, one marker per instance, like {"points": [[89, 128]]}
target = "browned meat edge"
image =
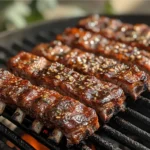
{"points": [[95, 43], [106, 98], [74, 119], [129, 78], [134, 35]]}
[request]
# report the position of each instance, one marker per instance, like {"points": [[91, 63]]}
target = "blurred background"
{"points": [[16, 14]]}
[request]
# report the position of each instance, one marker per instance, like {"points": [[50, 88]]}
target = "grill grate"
{"points": [[128, 130], [14, 138], [4, 146]]}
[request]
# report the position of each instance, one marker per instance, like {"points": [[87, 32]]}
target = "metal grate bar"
{"points": [[4, 146], [96, 138], [43, 37], [101, 141], [46, 142], [123, 138], [132, 128], [56, 31], [30, 42], [14, 138], [145, 101], [7, 52], [3, 56], [138, 116], [17, 47]]}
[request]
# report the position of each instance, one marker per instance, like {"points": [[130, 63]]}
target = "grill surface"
{"points": [[128, 130]]}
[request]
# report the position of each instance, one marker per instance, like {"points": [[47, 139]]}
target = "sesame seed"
{"points": [[57, 76]]}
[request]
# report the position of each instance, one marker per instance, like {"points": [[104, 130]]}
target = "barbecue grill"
{"points": [[128, 130]]}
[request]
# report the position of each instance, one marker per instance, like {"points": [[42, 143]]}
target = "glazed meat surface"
{"points": [[136, 35], [74, 119], [102, 24], [131, 79], [106, 98], [95, 43]]}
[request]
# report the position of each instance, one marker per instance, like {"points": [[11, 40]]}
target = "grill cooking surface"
{"points": [[127, 130]]}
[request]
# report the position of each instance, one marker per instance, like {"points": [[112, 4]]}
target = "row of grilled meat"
{"points": [[92, 75]]}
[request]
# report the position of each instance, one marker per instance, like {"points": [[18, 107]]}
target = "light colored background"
{"points": [[19, 13]]}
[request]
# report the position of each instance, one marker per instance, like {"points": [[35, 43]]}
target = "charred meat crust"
{"points": [[87, 89], [98, 44], [127, 77], [70, 116], [135, 35]]}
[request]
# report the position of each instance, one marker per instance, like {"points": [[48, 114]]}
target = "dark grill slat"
{"points": [[21, 47], [4, 146], [46, 142], [144, 101], [95, 138], [100, 141], [17, 47], [43, 37], [54, 32], [30, 42], [132, 128], [14, 138], [6, 52], [138, 116], [123, 138]]}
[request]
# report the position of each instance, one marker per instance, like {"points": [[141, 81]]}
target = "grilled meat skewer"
{"points": [[106, 98], [95, 43], [102, 24], [135, 35], [98, 44], [74, 119], [130, 79]]}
